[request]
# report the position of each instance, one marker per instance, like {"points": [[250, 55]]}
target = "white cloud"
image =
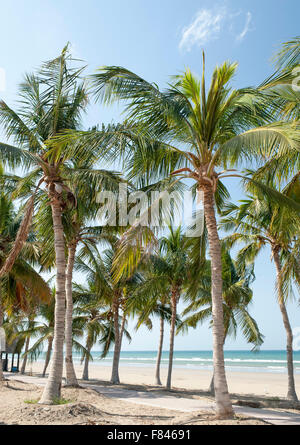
{"points": [[208, 25], [246, 27], [205, 27]]}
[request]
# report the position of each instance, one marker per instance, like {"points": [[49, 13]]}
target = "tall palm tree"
{"points": [[152, 298], [160, 344], [51, 101], [78, 230], [190, 132], [93, 318], [98, 269], [237, 296], [173, 268], [163, 279], [257, 222]]}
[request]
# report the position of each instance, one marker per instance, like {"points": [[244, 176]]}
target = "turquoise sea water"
{"points": [[262, 361]]}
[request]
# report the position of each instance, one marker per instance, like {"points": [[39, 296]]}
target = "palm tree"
{"points": [[189, 132], [51, 101], [22, 288], [152, 298], [258, 222], [29, 326], [284, 102], [163, 276], [173, 268], [237, 296], [287, 61], [92, 316], [46, 332], [42, 329], [79, 231], [160, 345], [98, 269], [289, 55], [149, 303]]}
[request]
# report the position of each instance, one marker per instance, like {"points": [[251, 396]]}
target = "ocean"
{"points": [[248, 361]]}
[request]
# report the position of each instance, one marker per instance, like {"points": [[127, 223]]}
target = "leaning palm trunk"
{"points": [[291, 395], [71, 379], [20, 238], [122, 332], [115, 367], [174, 296], [85, 374], [53, 387], [48, 355], [159, 352], [24, 363], [223, 403]]}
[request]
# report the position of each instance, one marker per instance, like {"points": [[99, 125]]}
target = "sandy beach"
{"points": [[256, 383], [87, 406]]}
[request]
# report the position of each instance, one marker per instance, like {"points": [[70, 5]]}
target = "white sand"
{"points": [[265, 384], [88, 407]]}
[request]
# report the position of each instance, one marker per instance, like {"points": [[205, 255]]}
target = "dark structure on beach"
{"points": [[11, 356]]}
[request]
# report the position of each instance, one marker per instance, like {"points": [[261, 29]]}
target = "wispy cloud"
{"points": [[246, 27], [206, 26], [210, 24]]}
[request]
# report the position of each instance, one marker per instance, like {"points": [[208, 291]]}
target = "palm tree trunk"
{"points": [[291, 395], [85, 374], [223, 403], [1, 323], [115, 367], [159, 352], [211, 389], [52, 389], [24, 362], [122, 331], [174, 296], [20, 237], [71, 379], [48, 355]]}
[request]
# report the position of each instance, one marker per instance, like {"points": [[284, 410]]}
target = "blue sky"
{"points": [[157, 39]]}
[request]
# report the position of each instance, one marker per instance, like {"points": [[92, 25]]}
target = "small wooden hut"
{"points": [[11, 356]]}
